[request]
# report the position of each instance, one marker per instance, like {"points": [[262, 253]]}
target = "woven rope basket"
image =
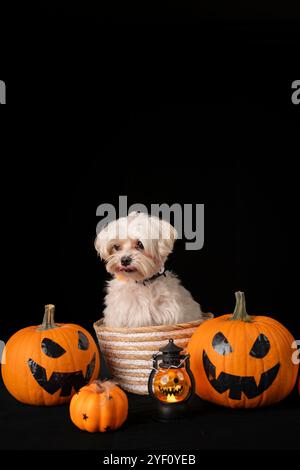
{"points": [[128, 351]]}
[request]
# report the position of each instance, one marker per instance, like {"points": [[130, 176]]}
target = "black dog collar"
{"points": [[151, 279]]}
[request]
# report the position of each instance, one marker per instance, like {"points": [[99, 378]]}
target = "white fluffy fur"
{"points": [[130, 303], [163, 301]]}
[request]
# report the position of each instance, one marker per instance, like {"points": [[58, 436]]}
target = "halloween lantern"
{"points": [[100, 406], [46, 364], [242, 361], [171, 382]]}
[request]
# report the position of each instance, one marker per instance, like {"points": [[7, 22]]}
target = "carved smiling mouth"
{"points": [[171, 391], [237, 384], [61, 380]]}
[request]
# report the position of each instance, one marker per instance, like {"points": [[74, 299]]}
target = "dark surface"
{"points": [[207, 427]]}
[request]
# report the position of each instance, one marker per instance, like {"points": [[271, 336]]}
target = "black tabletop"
{"points": [[208, 427]]}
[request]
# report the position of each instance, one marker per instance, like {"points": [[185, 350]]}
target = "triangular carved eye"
{"points": [[221, 345], [83, 342], [261, 347], [51, 348]]}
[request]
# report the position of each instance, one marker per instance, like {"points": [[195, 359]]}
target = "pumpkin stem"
{"points": [[104, 386], [240, 312], [48, 320]]}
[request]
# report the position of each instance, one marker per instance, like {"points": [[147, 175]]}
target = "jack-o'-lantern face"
{"points": [[172, 385], [251, 386], [242, 364], [46, 365], [59, 377]]}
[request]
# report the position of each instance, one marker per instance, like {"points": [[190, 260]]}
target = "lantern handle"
{"points": [[150, 381], [156, 358], [184, 358]]}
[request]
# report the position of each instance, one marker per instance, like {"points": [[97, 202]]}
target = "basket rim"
{"points": [[98, 326]]}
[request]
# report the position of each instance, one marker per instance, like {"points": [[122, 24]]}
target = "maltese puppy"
{"points": [[142, 293]]}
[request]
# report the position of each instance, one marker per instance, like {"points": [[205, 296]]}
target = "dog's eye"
{"points": [[116, 247], [139, 245]]}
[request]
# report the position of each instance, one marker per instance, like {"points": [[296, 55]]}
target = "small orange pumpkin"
{"points": [[46, 364], [100, 406], [242, 361]]}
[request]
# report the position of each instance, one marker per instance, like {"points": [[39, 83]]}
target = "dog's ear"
{"points": [[101, 242], [97, 245], [168, 235]]}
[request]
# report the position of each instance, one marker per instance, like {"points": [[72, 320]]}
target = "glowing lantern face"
{"points": [[172, 385], [171, 382]]}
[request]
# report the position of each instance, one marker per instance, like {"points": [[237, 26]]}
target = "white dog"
{"points": [[141, 292]]}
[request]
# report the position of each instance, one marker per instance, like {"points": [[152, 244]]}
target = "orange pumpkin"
{"points": [[242, 361], [46, 364], [100, 406]]}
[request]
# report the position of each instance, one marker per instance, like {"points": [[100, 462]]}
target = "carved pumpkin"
{"points": [[46, 364], [242, 361], [100, 406], [172, 385]]}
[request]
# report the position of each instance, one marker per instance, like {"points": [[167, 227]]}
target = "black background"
{"points": [[235, 155], [176, 106]]}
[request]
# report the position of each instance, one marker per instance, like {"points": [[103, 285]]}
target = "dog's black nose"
{"points": [[126, 260]]}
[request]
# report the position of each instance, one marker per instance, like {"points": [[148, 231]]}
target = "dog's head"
{"points": [[136, 246]]}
